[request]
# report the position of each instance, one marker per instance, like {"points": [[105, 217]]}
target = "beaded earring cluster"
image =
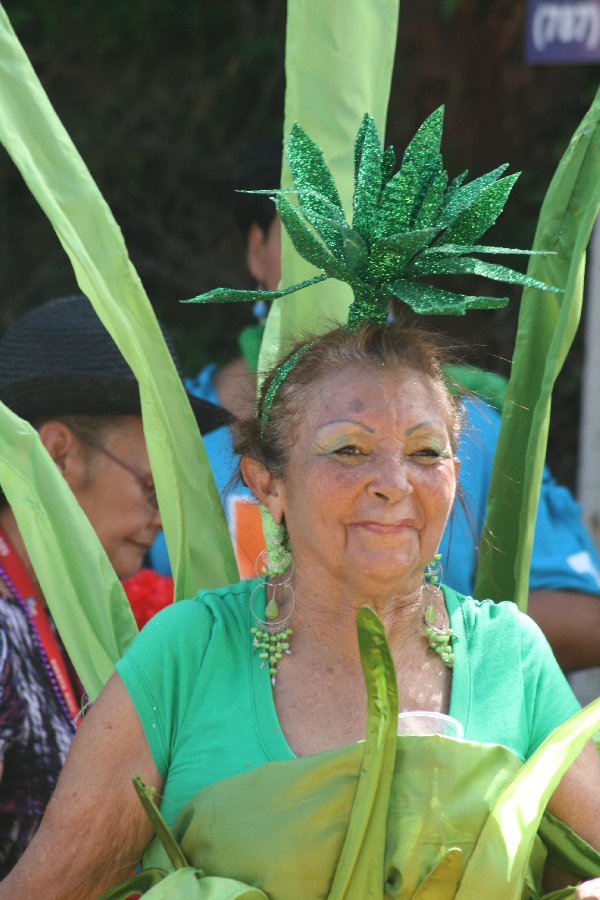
{"points": [[271, 634], [438, 637]]}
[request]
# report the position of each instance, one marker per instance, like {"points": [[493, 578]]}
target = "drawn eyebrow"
{"points": [[420, 425], [347, 422]]}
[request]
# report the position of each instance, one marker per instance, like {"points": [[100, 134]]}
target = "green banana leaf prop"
{"points": [[547, 326], [339, 59], [93, 613], [197, 536], [418, 817]]}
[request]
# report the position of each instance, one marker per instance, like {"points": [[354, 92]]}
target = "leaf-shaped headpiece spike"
{"points": [[405, 227], [367, 182], [310, 173]]}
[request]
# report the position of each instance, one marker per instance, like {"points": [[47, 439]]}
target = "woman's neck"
{"points": [[326, 612]]}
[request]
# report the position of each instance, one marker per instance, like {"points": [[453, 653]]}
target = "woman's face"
{"points": [[116, 501], [371, 476]]}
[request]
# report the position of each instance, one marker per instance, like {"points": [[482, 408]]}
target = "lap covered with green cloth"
{"points": [[403, 817]]}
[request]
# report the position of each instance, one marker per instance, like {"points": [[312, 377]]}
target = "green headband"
{"points": [[405, 226]]}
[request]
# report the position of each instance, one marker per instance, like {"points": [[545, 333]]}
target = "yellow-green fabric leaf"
{"points": [[547, 326], [197, 535]]}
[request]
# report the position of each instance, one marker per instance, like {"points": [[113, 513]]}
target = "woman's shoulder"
{"points": [[208, 608], [181, 634], [502, 618]]}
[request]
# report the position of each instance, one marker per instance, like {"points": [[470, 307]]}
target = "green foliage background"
{"points": [[165, 99]]}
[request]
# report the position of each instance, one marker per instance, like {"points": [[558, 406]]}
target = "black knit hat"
{"points": [[58, 359]]}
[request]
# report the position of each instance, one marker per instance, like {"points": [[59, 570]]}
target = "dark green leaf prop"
{"points": [[405, 226]]}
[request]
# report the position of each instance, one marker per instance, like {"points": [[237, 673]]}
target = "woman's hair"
{"points": [[90, 429], [269, 438]]}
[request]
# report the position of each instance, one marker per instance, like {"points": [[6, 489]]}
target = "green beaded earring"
{"points": [[271, 634], [438, 637]]}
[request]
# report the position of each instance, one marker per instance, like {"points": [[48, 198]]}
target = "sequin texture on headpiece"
{"points": [[405, 226]]}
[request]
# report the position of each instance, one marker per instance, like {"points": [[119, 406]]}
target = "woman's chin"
{"points": [[385, 573]]}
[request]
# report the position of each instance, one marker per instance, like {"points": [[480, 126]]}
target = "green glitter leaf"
{"points": [[358, 144], [390, 255], [234, 295], [306, 243], [469, 265], [329, 210], [463, 197], [423, 154], [424, 149], [461, 249], [430, 205], [311, 172], [433, 301], [388, 163], [332, 231], [367, 188], [396, 203], [454, 185], [482, 213], [356, 253]]}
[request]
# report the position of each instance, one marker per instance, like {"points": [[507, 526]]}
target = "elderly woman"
{"points": [[60, 370], [356, 456]]}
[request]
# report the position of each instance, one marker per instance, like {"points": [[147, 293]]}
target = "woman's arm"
{"points": [[94, 829], [577, 802]]}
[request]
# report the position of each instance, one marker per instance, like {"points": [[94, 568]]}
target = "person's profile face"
{"points": [[118, 497], [263, 254]]}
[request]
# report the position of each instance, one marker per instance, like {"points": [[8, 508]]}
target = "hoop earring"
{"points": [[439, 637]]}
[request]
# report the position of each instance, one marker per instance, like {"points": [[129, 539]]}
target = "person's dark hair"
{"points": [[260, 171], [392, 345]]}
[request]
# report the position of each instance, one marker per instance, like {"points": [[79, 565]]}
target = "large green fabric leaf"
{"points": [[339, 61], [195, 528], [86, 599], [507, 838], [547, 325]]}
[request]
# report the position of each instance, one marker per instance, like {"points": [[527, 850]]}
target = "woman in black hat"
{"points": [[61, 371]]}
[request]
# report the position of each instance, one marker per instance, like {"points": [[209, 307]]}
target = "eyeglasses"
{"points": [[146, 482]]}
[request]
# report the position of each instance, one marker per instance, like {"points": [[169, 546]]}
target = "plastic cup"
{"points": [[425, 722]]}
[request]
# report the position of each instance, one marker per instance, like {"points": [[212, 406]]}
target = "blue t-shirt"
{"points": [[563, 557]]}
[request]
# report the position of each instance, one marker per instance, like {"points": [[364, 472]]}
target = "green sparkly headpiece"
{"points": [[405, 226]]}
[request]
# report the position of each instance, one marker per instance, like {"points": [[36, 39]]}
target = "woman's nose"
{"points": [[390, 481]]}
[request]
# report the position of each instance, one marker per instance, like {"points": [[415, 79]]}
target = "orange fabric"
{"points": [[248, 538]]}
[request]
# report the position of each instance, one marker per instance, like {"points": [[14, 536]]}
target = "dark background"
{"points": [[164, 99]]}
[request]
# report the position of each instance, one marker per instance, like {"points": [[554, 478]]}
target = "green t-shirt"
{"points": [[207, 707]]}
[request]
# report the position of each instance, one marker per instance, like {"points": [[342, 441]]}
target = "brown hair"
{"points": [[268, 438]]}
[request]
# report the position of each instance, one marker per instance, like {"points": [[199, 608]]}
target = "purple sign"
{"points": [[563, 31]]}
